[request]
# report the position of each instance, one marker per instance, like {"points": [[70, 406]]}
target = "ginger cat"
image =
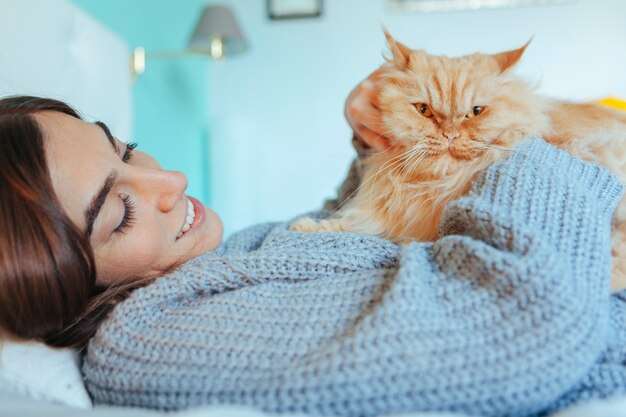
{"points": [[450, 118]]}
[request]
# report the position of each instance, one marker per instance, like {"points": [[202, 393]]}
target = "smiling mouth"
{"points": [[191, 215]]}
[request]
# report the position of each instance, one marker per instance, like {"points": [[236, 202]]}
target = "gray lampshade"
{"points": [[217, 22]]}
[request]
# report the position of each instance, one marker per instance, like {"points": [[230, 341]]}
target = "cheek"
{"points": [[400, 118], [139, 255], [404, 123], [148, 250], [487, 127], [470, 129]]}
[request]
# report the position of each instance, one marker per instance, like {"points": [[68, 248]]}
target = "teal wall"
{"points": [[170, 103]]}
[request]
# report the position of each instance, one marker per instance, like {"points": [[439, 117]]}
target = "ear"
{"points": [[507, 60], [401, 54]]}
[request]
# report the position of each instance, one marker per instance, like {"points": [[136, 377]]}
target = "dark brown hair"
{"points": [[48, 288]]}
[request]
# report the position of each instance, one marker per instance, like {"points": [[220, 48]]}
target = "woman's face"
{"points": [[138, 218]]}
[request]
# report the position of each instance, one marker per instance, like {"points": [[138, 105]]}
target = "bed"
{"points": [[64, 53]]}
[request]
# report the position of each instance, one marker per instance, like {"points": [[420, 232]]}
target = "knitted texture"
{"points": [[507, 314]]}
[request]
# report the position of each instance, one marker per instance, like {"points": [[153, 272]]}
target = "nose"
{"points": [[451, 135], [163, 188]]}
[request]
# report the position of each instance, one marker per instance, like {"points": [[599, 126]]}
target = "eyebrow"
{"points": [[110, 137], [98, 201], [91, 214]]}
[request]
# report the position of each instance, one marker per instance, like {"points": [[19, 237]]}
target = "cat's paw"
{"points": [[307, 224]]}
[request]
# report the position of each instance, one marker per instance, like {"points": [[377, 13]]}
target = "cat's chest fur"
{"points": [[406, 206]]}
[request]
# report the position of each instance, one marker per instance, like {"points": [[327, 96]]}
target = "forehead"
{"points": [[78, 156], [66, 137], [450, 84]]}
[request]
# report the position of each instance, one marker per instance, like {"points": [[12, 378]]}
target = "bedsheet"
{"points": [[12, 406]]}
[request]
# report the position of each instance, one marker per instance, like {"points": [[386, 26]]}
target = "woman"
{"points": [[506, 314]]}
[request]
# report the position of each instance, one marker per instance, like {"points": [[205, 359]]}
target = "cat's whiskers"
{"points": [[492, 146], [409, 155], [415, 151], [413, 161], [370, 178], [444, 192], [413, 158], [415, 164], [393, 164], [403, 165], [400, 160], [419, 158]]}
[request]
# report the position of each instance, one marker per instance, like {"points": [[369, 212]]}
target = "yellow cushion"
{"points": [[614, 102]]}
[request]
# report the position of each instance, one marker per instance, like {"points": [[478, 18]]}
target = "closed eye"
{"points": [[129, 207], [129, 215], [128, 153]]}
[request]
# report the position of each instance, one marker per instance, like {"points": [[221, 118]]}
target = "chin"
{"points": [[206, 237], [214, 230]]}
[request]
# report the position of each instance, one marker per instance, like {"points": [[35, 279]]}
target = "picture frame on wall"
{"points": [[293, 9], [457, 5]]}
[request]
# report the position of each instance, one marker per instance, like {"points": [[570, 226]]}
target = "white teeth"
{"points": [[191, 215]]}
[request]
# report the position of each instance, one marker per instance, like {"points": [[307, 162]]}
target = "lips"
{"points": [[194, 218], [191, 215]]}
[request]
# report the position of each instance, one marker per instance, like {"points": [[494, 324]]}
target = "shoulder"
{"points": [[248, 239]]}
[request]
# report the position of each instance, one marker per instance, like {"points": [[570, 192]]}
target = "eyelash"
{"points": [[128, 154], [129, 214]]}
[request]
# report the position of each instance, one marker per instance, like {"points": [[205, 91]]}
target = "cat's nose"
{"points": [[451, 135]]}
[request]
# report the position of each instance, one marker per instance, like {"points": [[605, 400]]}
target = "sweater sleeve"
{"points": [[504, 315], [522, 273]]}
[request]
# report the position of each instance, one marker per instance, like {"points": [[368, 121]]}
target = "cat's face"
{"points": [[456, 109]]}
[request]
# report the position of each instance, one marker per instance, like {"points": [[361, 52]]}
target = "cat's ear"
{"points": [[401, 53], [507, 60]]}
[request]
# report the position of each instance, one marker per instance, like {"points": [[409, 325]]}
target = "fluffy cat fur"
{"points": [[447, 119]]}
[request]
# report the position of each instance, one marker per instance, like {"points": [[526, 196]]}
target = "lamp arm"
{"points": [[139, 56]]}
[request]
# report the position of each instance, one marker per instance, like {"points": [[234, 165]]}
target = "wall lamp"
{"points": [[216, 35]]}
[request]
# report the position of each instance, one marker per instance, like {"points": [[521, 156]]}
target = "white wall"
{"points": [[279, 143], [53, 49]]}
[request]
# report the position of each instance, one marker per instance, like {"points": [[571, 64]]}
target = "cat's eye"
{"points": [[424, 110], [476, 110]]}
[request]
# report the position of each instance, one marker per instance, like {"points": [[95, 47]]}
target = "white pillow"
{"points": [[38, 372]]}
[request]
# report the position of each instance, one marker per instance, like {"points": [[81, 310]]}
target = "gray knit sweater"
{"points": [[507, 314]]}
